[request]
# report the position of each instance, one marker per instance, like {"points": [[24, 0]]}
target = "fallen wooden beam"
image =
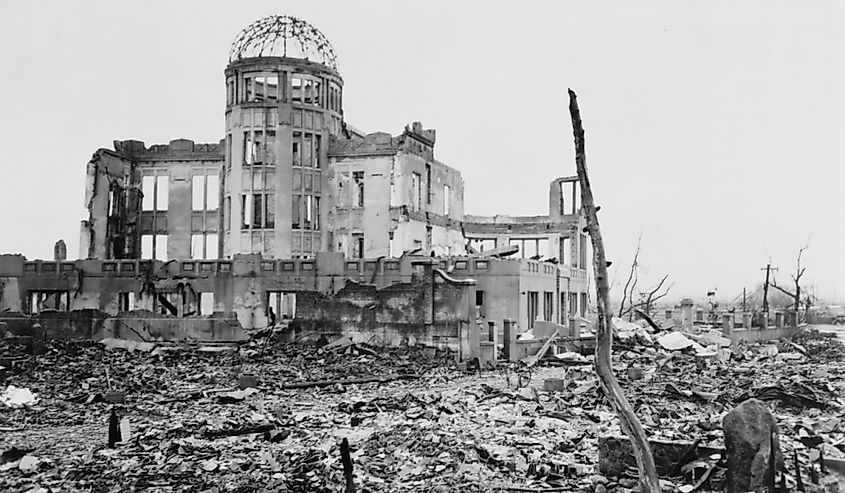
{"points": [[532, 360]]}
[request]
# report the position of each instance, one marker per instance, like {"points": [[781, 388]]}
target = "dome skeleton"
{"points": [[269, 37]]}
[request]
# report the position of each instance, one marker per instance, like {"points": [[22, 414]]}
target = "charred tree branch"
{"points": [[604, 338]]}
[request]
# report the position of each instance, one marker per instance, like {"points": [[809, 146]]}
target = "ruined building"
{"points": [[294, 202]]}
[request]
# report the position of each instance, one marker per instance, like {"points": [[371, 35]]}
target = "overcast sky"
{"points": [[714, 128]]}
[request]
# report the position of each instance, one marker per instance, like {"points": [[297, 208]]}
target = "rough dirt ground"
{"points": [[448, 430]]}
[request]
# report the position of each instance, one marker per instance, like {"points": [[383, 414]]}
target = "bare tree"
{"points": [[631, 283], [650, 296], [604, 332], [796, 278]]}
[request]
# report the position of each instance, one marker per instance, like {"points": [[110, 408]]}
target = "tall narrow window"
{"points": [[358, 190], [306, 151], [211, 245], [295, 150], [160, 247], [447, 200], [566, 251], [212, 192], [416, 191], [162, 192], [269, 210], [295, 212], [428, 190], [148, 189], [317, 153], [198, 193], [146, 246], [246, 211]]}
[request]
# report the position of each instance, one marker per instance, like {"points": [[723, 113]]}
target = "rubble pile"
{"points": [[267, 417]]}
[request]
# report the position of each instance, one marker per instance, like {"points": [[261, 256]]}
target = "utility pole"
{"points": [[743, 300], [768, 270]]}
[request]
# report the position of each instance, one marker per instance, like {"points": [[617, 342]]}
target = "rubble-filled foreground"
{"points": [[427, 426]]}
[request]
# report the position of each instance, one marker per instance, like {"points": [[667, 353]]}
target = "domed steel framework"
{"points": [[283, 35]]}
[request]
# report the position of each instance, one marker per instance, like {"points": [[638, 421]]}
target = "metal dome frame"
{"points": [[271, 36]]}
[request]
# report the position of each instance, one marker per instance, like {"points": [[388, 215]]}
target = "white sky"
{"points": [[715, 128]]}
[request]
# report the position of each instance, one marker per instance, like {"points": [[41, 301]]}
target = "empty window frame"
{"points": [[532, 247], [125, 301], [205, 192], [281, 306], [428, 189], [416, 191], [154, 247], [566, 251], [570, 197], [548, 306], [447, 200], [206, 303], [258, 210], [582, 252], [48, 300], [155, 191], [357, 245], [358, 189], [533, 307]]}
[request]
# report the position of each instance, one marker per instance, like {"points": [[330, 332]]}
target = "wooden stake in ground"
{"points": [[604, 333], [346, 459]]}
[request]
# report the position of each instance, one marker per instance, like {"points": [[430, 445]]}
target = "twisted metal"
{"points": [[283, 35]]}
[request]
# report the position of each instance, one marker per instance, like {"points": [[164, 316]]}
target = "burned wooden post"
{"points": [[604, 333]]}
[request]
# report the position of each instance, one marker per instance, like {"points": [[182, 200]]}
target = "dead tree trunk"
{"points": [[630, 424]]}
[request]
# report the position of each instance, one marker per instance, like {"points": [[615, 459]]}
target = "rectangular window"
{"points": [[566, 251], [548, 305], [390, 248], [206, 303], [212, 192], [246, 211], [148, 189], [162, 192], [447, 200], [533, 307], [562, 314], [428, 189], [296, 158], [272, 87], [146, 246], [248, 149], [296, 213], [160, 247], [227, 213], [358, 245], [296, 89], [582, 252], [358, 189], [198, 192], [126, 301], [317, 152], [306, 151], [583, 305], [211, 246], [197, 245], [416, 191], [479, 302], [573, 304], [257, 208], [269, 210], [48, 300]]}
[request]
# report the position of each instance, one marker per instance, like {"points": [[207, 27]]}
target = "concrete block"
{"points": [[247, 380]]}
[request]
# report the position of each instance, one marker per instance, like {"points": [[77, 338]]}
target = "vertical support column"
{"points": [[510, 339], [574, 327], [727, 324], [779, 319], [686, 313], [746, 320]]}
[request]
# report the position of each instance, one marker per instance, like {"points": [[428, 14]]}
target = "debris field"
{"points": [[268, 417]]}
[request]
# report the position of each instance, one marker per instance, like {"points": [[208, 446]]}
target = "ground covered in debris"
{"points": [[427, 425]]}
